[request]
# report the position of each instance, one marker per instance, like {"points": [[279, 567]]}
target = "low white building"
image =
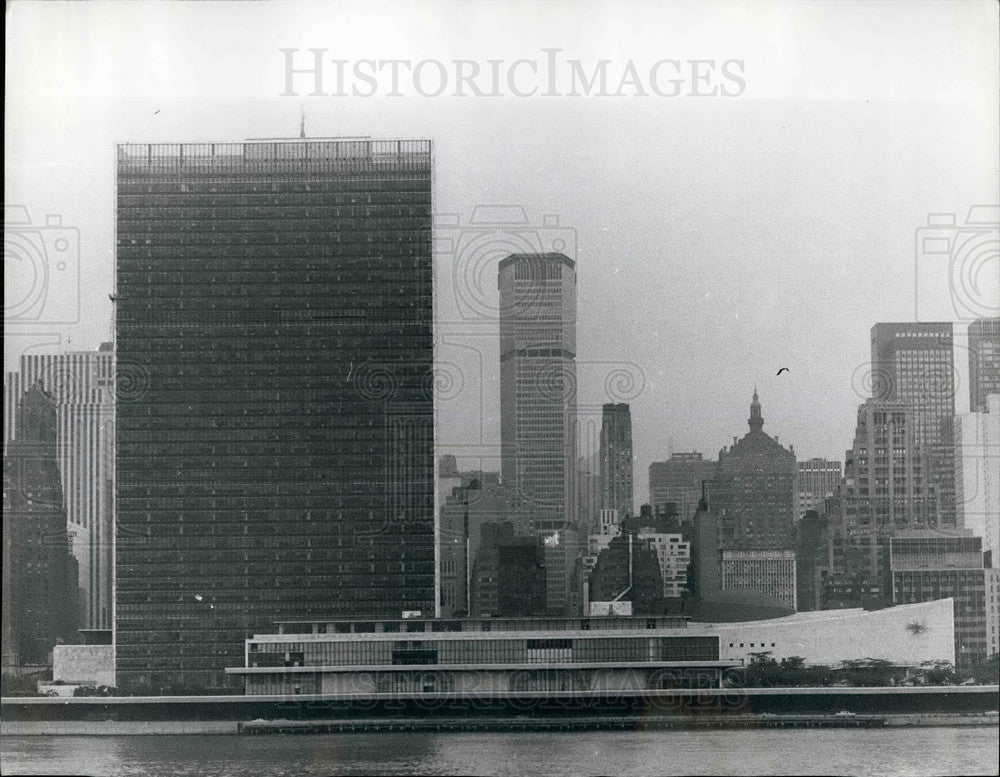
{"points": [[906, 635]]}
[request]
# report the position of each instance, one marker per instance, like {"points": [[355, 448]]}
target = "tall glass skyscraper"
{"points": [[913, 364], [538, 388], [275, 447]]}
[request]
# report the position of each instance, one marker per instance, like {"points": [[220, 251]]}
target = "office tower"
{"points": [[753, 490], [276, 298], [522, 573], [810, 557], [913, 364], [929, 565], [678, 480], [616, 459], [977, 474], [752, 496], [886, 488], [39, 572], [478, 501], [984, 362], [538, 388], [817, 480], [82, 386]]}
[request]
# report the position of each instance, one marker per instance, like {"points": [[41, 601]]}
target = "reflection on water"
{"points": [[928, 751]]}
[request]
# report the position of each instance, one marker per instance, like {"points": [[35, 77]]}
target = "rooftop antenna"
{"points": [[302, 121]]}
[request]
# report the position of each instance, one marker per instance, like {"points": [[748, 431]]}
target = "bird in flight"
{"points": [[783, 369]]}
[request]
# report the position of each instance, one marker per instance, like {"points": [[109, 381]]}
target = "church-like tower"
{"points": [[753, 490]]}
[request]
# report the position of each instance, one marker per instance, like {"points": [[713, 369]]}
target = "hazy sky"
{"points": [[716, 238]]}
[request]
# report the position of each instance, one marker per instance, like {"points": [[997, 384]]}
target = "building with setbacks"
{"points": [[887, 487], [39, 572], [82, 386], [753, 490], [912, 364]]}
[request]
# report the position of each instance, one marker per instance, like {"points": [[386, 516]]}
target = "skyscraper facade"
{"points": [[886, 488], [984, 362], [977, 474], [616, 459], [275, 300], [817, 480], [678, 480], [538, 389], [913, 364], [753, 490], [82, 387]]}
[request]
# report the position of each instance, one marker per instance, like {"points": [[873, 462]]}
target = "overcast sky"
{"points": [[717, 238]]}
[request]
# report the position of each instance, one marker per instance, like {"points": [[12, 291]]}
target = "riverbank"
{"points": [[482, 725], [678, 709]]}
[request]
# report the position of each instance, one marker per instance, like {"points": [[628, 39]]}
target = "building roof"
{"points": [[549, 256], [757, 451]]}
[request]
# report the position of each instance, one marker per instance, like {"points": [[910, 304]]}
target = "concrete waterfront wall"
{"points": [[191, 710]]}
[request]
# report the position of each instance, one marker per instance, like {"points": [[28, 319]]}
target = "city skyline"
{"points": [[681, 224], [615, 387]]}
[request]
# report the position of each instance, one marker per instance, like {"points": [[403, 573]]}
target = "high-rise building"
{"points": [[538, 388], [508, 575], [478, 501], [678, 480], [886, 488], [39, 572], [616, 459], [977, 474], [276, 299], [817, 480], [82, 386], [929, 565], [753, 490], [913, 364], [984, 362]]}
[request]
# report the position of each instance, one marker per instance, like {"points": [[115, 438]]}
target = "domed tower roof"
{"points": [[757, 451]]}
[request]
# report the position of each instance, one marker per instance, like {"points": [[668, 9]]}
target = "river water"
{"points": [[916, 751]]}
